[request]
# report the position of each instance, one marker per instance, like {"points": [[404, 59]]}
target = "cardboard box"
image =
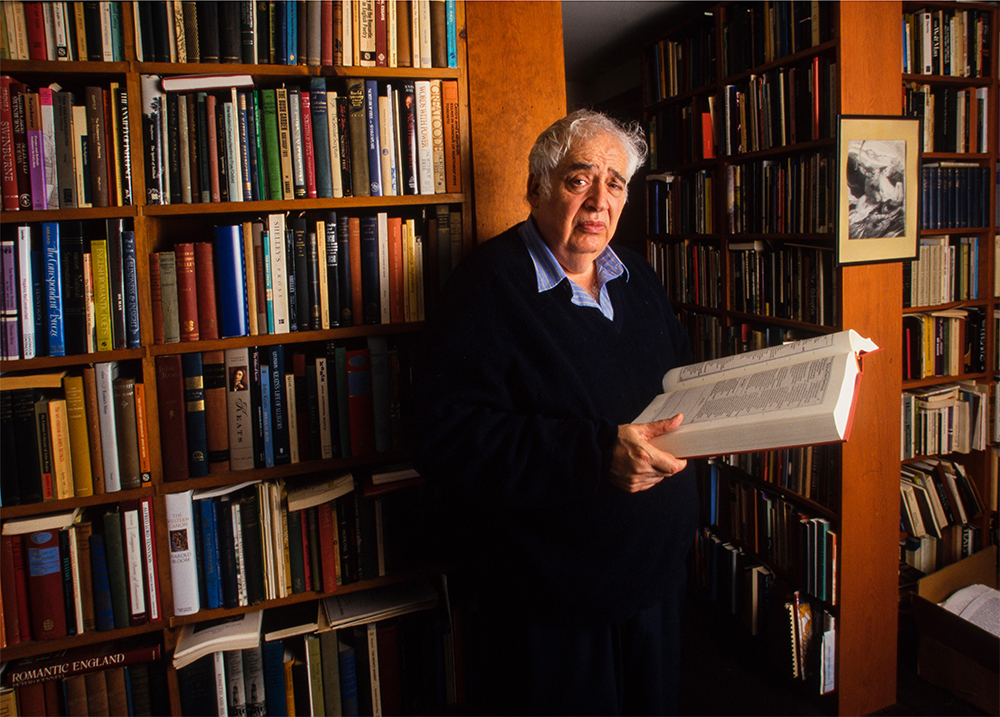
{"points": [[955, 654]]}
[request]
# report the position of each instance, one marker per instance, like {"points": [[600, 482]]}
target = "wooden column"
{"points": [[871, 304], [517, 88]]}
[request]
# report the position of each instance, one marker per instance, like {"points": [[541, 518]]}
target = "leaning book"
{"points": [[799, 393]]}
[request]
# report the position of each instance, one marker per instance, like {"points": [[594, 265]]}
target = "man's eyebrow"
{"points": [[577, 166]]}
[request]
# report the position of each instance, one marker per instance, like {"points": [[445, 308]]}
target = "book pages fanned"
{"points": [[796, 394]]}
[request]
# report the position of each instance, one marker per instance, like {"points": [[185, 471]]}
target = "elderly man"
{"points": [[573, 529]]}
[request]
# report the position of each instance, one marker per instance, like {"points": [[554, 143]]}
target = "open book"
{"points": [[800, 393]]}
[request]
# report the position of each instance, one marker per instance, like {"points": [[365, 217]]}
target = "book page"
{"points": [[750, 361]]}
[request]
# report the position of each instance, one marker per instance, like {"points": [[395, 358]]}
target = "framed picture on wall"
{"points": [[878, 188]]}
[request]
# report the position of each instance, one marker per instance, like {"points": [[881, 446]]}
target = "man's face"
{"points": [[588, 189]]}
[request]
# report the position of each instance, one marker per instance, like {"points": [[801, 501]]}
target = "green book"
{"points": [[117, 574], [102, 294], [272, 150]]}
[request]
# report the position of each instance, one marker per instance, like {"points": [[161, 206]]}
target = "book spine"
{"points": [[171, 399], [53, 289], [239, 409], [25, 293], [194, 416], [45, 588], [103, 608], [232, 281], [309, 150], [187, 291], [105, 374], [183, 566], [321, 137], [131, 532], [130, 280], [126, 433]]}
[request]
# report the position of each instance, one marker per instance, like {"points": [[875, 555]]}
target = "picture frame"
{"points": [[878, 188]]}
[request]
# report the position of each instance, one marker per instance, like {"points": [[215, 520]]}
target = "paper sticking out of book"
{"points": [[320, 492], [796, 394], [196, 641], [979, 604]]}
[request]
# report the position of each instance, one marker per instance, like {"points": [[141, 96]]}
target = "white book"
{"points": [[33, 524], [232, 139], [366, 33], [437, 137], [323, 491], [347, 39], [149, 554], [134, 561], [50, 31], [140, 51], [184, 153], [383, 266], [415, 34], [253, 679], [183, 561], [241, 569], [221, 703], [17, 32], [25, 293], [800, 393], [926, 54], [78, 131], [107, 33], [278, 538], [334, 134], [74, 566], [323, 391], [235, 684], [60, 34], [279, 273], [106, 373], [48, 118], [425, 148], [423, 8]]}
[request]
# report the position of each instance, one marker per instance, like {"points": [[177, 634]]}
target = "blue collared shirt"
{"points": [[550, 273]]}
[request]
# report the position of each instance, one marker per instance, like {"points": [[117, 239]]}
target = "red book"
{"points": [[707, 136], [45, 588], [327, 537], [381, 34], [34, 21], [452, 136], [360, 410], [815, 98], [156, 297], [306, 551], [204, 265], [31, 699], [19, 129], [171, 408], [187, 292], [21, 586], [8, 178], [8, 586], [213, 147], [308, 153], [326, 38], [397, 303], [216, 410]]}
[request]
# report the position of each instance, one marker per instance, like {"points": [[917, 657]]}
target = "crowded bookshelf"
{"points": [[223, 224], [742, 104]]}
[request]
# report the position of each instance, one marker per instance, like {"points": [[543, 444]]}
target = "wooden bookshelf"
{"points": [[154, 226], [864, 47]]}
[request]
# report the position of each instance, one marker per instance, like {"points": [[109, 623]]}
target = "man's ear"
{"points": [[534, 194]]}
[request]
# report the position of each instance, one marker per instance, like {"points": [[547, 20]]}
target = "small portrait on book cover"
{"points": [[878, 188], [876, 185], [238, 378], [178, 541]]}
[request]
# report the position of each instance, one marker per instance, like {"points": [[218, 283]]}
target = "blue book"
{"points": [[232, 282], [104, 613], [321, 136], [266, 418], [371, 292], [53, 289], [210, 553], [348, 681], [279, 407], [194, 414], [372, 135], [452, 36], [131, 279], [292, 27], [274, 678], [280, 33], [244, 138]]}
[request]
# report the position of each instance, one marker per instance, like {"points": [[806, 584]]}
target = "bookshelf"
{"points": [[741, 103], [160, 227]]}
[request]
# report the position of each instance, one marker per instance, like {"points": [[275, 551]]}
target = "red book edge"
{"points": [[204, 267], [308, 153]]}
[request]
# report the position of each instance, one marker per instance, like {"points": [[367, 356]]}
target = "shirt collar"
{"points": [[549, 273]]}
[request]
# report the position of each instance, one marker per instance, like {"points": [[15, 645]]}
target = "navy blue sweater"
{"points": [[516, 411]]}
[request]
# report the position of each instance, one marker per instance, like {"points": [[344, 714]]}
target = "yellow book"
{"points": [[102, 294], [62, 466], [79, 440]]}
